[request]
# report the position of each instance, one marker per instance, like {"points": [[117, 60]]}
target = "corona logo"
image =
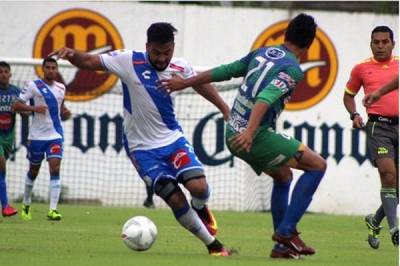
{"points": [[83, 30], [319, 64]]}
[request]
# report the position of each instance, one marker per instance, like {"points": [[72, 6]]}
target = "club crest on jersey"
{"points": [[275, 53], [56, 148], [180, 159]]}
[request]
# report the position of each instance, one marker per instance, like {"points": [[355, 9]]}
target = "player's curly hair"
{"points": [[301, 31], [161, 32]]}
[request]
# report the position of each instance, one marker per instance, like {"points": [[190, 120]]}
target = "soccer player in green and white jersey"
{"points": [[270, 76], [8, 94]]}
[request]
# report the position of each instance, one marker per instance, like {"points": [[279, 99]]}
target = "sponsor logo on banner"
{"points": [[319, 64], [83, 30], [180, 159]]}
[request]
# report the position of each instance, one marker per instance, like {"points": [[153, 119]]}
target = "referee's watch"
{"points": [[353, 115]]}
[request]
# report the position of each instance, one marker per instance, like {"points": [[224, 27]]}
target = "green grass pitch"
{"points": [[90, 235]]}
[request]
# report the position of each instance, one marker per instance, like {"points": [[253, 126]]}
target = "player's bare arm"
{"points": [[177, 83], [210, 93], [65, 112], [79, 59], [244, 140], [20, 106], [350, 105]]}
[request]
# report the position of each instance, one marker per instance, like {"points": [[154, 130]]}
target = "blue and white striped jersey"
{"points": [[149, 117], [45, 126]]}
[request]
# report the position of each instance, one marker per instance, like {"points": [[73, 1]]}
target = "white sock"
{"points": [[28, 191], [191, 221], [55, 191]]}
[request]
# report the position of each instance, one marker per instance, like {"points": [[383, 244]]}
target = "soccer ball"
{"points": [[139, 233]]}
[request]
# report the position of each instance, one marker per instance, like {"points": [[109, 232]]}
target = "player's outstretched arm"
{"points": [[376, 95], [79, 59], [177, 83], [19, 106]]}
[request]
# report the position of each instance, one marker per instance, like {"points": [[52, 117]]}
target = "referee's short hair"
{"points": [[383, 29]]}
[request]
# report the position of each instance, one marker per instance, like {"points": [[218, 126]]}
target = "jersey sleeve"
{"points": [[354, 84], [27, 92], [116, 62], [285, 81], [235, 69], [188, 70]]}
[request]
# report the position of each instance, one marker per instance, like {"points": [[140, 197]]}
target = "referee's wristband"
{"points": [[353, 115]]}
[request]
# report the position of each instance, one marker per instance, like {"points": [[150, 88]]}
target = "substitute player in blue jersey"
{"points": [[270, 76], [152, 135], [46, 135], [8, 94]]}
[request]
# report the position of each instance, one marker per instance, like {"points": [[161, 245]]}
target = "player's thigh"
{"points": [[6, 145], [184, 163], [270, 151], [151, 166], [282, 174], [308, 160], [54, 149], [36, 151], [382, 141]]}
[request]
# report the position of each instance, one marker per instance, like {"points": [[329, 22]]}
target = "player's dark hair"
{"points": [[301, 31], [383, 29], [161, 32], [49, 59], [5, 65]]}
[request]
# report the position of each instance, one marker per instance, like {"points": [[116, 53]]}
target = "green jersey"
{"points": [[7, 119], [270, 76]]}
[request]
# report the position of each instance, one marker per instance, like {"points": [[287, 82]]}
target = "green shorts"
{"points": [[6, 145], [270, 150]]}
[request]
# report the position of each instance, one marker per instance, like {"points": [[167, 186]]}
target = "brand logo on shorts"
{"points": [[319, 65], [84, 30], [382, 150], [180, 159], [56, 148]]}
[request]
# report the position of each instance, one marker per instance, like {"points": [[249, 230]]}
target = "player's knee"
{"points": [[168, 190], [199, 188], [33, 173], [388, 179]]}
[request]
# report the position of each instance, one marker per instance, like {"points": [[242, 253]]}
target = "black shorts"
{"points": [[382, 140]]}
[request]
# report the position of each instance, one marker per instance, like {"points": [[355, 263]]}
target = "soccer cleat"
{"points": [[294, 242], [149, 204], [373, 232], [26, 213], [8, 211], [208, 220], [280, 251], [395, 236], [217, 249], [54, 215]]}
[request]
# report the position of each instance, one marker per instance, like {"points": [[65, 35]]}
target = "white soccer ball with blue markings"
{"points": [[139, 233]]}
